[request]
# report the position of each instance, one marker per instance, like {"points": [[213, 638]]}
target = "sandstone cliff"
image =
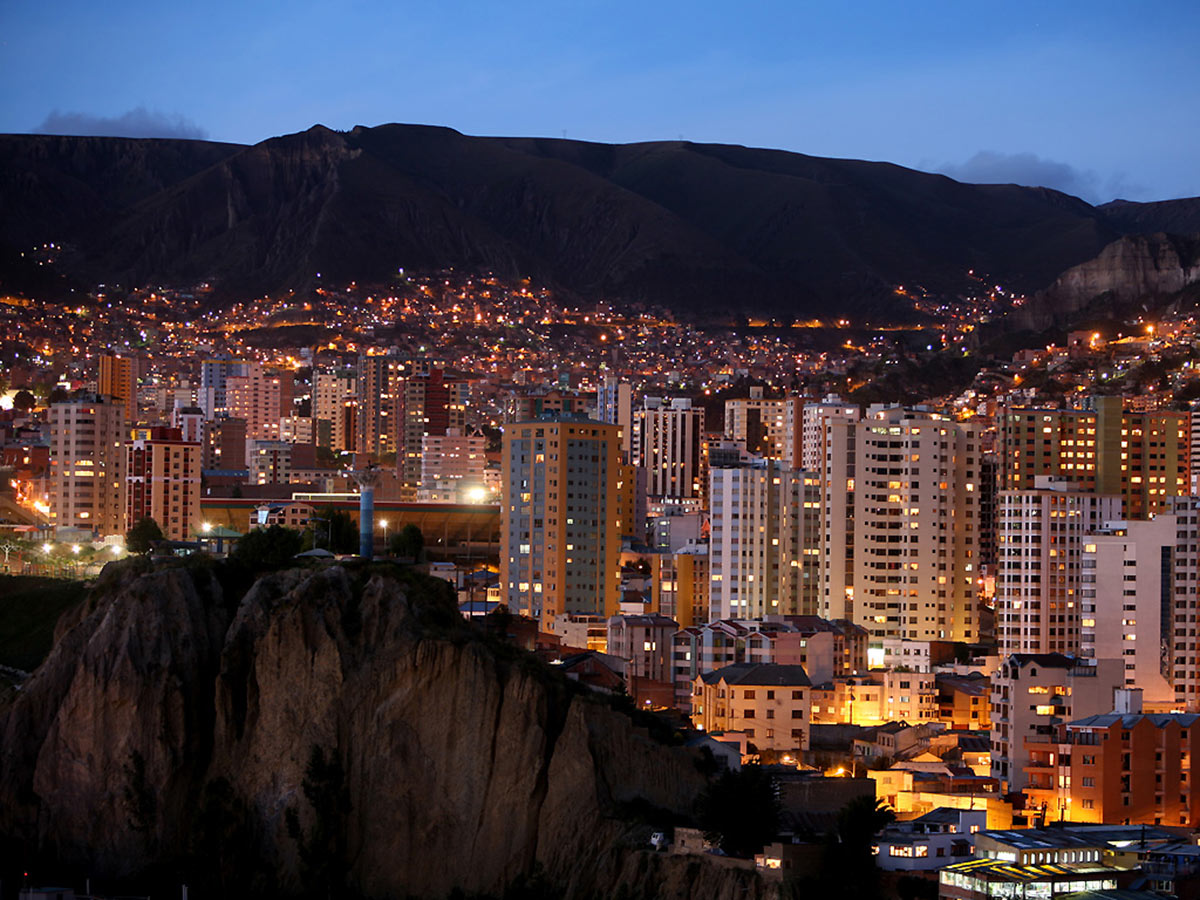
{"points": [[1137, 269], [174, 723]]}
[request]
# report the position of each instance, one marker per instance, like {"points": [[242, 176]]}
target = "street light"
{"points": [[384, 523]]}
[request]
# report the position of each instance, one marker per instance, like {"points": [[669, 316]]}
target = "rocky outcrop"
{"points": [[449, 762], [1137, 269]]}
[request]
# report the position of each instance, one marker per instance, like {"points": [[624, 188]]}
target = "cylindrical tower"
{"points": [[367, 479]]}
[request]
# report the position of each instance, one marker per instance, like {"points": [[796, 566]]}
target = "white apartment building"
{"points": [[668, 442], [900, 537], [815, 419], [764, 542], [1033, 692], [1138, 603], [335, 399], [614, 404], [1040, 537], [770, 427]]}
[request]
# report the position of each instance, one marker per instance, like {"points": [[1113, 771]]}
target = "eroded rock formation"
{"points": [[173, 720]]}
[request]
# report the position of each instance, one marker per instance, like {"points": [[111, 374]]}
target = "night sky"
{"points": [[1099, 99]]}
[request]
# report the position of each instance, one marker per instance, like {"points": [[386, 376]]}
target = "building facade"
{"points": [[87, 465], [561, 535]]}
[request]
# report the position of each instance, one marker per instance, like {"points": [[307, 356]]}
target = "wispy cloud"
{"points": [[138, 122], [992, 167]]}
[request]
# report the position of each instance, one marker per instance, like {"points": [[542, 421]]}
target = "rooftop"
{"points": [[766, 674], [1158, 720]]}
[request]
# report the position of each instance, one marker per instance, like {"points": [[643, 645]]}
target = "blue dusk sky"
{"points": [[1100, 99]]}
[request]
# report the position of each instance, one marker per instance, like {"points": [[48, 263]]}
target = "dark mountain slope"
{"points": [[699, 227], [52, 188], [1172, 216]]}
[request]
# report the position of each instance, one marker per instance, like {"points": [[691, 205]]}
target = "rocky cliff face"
{"points": [[172, 720], [1135, 269]]}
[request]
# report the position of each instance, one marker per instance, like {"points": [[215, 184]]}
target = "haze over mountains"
{"points": [[700, 228]]}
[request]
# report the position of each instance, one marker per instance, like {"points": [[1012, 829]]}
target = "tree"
{"points": [[740, 811], [333, 530], [408, 542], [849, 866], [268, 547], [24, 401], [143, 535]]}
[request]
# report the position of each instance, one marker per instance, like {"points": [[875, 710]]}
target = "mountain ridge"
{"points": [[691, 226]]}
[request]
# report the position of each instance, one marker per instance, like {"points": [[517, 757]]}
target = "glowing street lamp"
{"points": [[384, 523]]}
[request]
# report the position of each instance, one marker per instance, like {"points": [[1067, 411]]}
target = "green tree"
{"points": [[333, 530], [740, 811], [143, 535], [24, 401], [268, 547], [408, 542]]}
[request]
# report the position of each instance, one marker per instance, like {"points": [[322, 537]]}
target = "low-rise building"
{"points": [[929, 842], [1127, 768], [877, 697], [645, 642], [964, 701], [768, 703]]}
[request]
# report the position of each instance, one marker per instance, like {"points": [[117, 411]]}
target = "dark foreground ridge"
{"points": [[701, 228], [329, 731]]}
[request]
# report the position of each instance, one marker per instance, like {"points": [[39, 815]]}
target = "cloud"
{"points": [[137, 123], [990, 167]]}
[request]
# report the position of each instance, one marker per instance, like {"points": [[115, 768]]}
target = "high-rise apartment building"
{"points": [[614, 403], [1142, 456], [87, 465], [452, 458], [335, 399], [380, 403], [765, 541], [224, 445], [899, 547], [1139, 603], [829, 448], [523, 405], [561, 537], [1040, 534], [816, 419], [431, 405], [682, 581], [668, 442], [261, 396], [118, 379], [769, 427], [163, 482], [214, 375]]}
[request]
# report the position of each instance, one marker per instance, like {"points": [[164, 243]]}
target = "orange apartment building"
{"points": [[1132, 768], [1143, 456]]}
